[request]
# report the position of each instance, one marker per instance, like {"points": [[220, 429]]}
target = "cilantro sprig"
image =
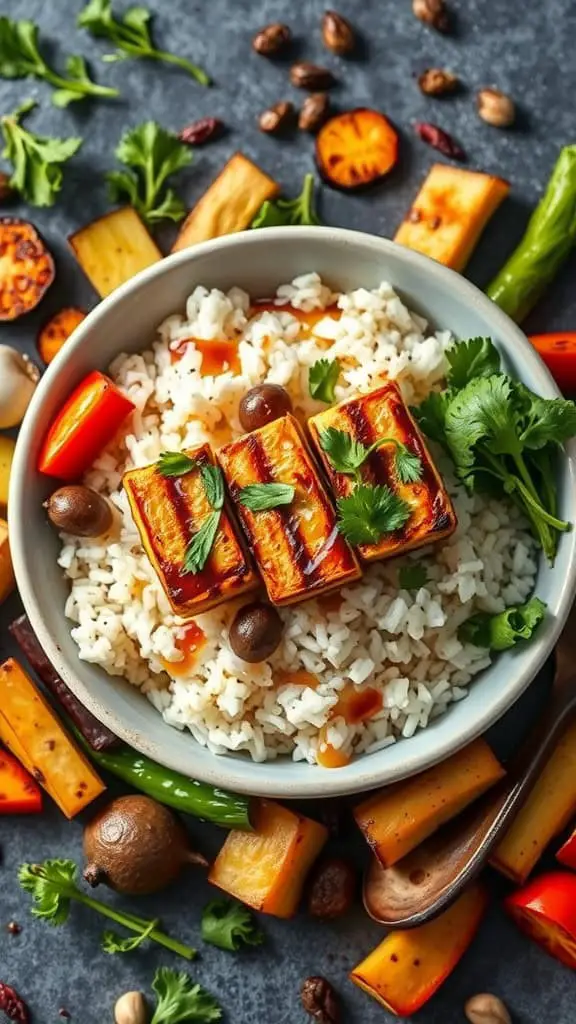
{"points": [[260, 497], [323, 378], [131, 35], [180, 1000], [230, 926], [202, 542], [276, 213], [368, 513], [36, 159], [504, 630], [20, 57], [152, 154], [348, 455]]}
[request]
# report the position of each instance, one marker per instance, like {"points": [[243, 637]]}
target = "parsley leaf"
{"points": [[477, 357], [482, 411], [179, 1000], [155, 154], [280, 212], [213, 485], [175, 464], [201, 544], [544, 420], [504, 630], [259, 497], [407, 465], [114, 943], [412, 576], [431, 416], [369, 513], [36, 160], [322, 379], [347, 454], [131, 35], [20, 57], [230, 926]]}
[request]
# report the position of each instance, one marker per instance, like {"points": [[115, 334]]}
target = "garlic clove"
{"points": [[131, 1009], [18, 379]]}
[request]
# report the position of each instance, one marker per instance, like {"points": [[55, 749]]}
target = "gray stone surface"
{"points": [[526, 49]]}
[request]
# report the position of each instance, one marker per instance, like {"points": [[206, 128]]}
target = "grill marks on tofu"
{"points": [[298, 548], [168, 512], [367, 418]]}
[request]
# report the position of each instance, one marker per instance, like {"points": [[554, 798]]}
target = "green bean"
{"points": [[549, 237]]}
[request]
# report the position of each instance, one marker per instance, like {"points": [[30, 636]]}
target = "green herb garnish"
{"points": [[259, 497], [131, 36], [347, 455], [175, 464], [202, 542], [230, 926], [53, 888], [154, 154], [366, 515], [36, 160], [504, 630], [180, 1000], [322, 379], [474, 358], [412, 577], [213, 485], [276, 213]]}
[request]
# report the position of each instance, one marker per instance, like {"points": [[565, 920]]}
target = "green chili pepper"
{"points": [[549, 237]]}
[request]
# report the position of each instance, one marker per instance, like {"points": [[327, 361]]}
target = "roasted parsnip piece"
{"points": [[382, 415], [169, 511], [297, 546], [114, 248], [229, 205]]}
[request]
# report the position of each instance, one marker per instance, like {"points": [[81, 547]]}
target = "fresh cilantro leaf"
{"points": [[347, 454], [175, 464], [366, 515], [200, 546], [36, 160], [322, 379], [482, 411], [114, 943], [131, 35], [281, 212], [181, 1001], [544, 420], [504, 630], [154, 154], [477, 357], [259, 497], [408, 466], [213, 485], [20, 57], [230, 926], [412, 576], [431, 415]]}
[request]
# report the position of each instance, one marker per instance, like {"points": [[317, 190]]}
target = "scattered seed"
{"points": [[199, 132], [337, 33], [437, 82], [311, 76], [272, 38], [314, 112], [496, 108], [439, 139], [13, 928], [433, 13], [276, 118]]}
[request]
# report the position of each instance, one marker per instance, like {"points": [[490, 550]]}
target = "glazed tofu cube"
{"points": [[297, 547], [368, 418], [168, 512]]}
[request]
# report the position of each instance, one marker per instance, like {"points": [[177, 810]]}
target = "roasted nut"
{"points": [[201, 131], [255, 632], [79, 510], [131, 1009], [320, 1001], [271, 39], [311, 76], [276, 118], [332, 888], [433, 13], [314, 112], [6, 190], [263, 404], [496, 108], [486, 1009], [337, 33], [437, 82]]}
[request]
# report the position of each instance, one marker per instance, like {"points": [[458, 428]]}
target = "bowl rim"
{"points": [[362, 773]]}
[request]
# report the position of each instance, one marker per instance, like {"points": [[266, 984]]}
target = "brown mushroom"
{"points": [[136, 846], [79, 510]]}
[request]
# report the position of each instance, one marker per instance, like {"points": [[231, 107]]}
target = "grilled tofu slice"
{"points": [[168, 512], [297, 547], [382, 413]]}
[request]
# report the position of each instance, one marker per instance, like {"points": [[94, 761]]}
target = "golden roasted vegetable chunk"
{"points": [[169, 511], [114, 248], [383, 416], [7, 581], [297, 546]]}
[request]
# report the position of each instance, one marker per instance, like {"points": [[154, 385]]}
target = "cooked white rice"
{"points": [[403, 643]]}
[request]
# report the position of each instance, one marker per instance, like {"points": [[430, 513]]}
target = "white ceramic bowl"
{"points": [[258, 261]]}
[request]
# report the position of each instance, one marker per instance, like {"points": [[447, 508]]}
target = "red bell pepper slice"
{"points": [[545, 909], [19, 794], [84, 426], [567, 853], [558, 351]]}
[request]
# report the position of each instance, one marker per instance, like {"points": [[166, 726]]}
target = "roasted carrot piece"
{"points": [[26, 268], [58, 329], [356, 148]]}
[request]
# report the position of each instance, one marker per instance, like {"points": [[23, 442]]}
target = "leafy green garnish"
{"points": [[114, 943], [21, 58], [36, 160], [322, 379], [155, 154], [175, 464], [53, 888], [366, 515], [477, 357], [347, 454], [259, 497], [179, 1000], [202, 542], [131, 35], [504, 630], [230, 926], [213, 485], [412, 577], [276, 213]]}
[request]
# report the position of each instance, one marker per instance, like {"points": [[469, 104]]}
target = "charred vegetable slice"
{"points": [[26, 268], [356, 148], [114, 248], [57, 331], [19, 794]]}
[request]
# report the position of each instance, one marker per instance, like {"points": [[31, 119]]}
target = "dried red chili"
{"points": [[439, 139], [199, 132], [13, 1005]]}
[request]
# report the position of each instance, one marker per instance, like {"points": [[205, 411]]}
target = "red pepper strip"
{"points": [[567, 853], [558, 351], [545, 909], [19, 794], [85, 425]]}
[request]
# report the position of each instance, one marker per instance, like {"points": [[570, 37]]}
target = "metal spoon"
{"points": [[430, 878]]}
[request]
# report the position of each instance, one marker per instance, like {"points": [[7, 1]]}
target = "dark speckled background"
{"points": [[525, 48]]}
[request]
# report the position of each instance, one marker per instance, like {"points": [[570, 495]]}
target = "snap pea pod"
{"points": [[547, 242]]}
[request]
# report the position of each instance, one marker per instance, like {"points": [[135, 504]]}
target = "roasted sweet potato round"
{"points": [[58, 329], [26, 268], [356, 148]]}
